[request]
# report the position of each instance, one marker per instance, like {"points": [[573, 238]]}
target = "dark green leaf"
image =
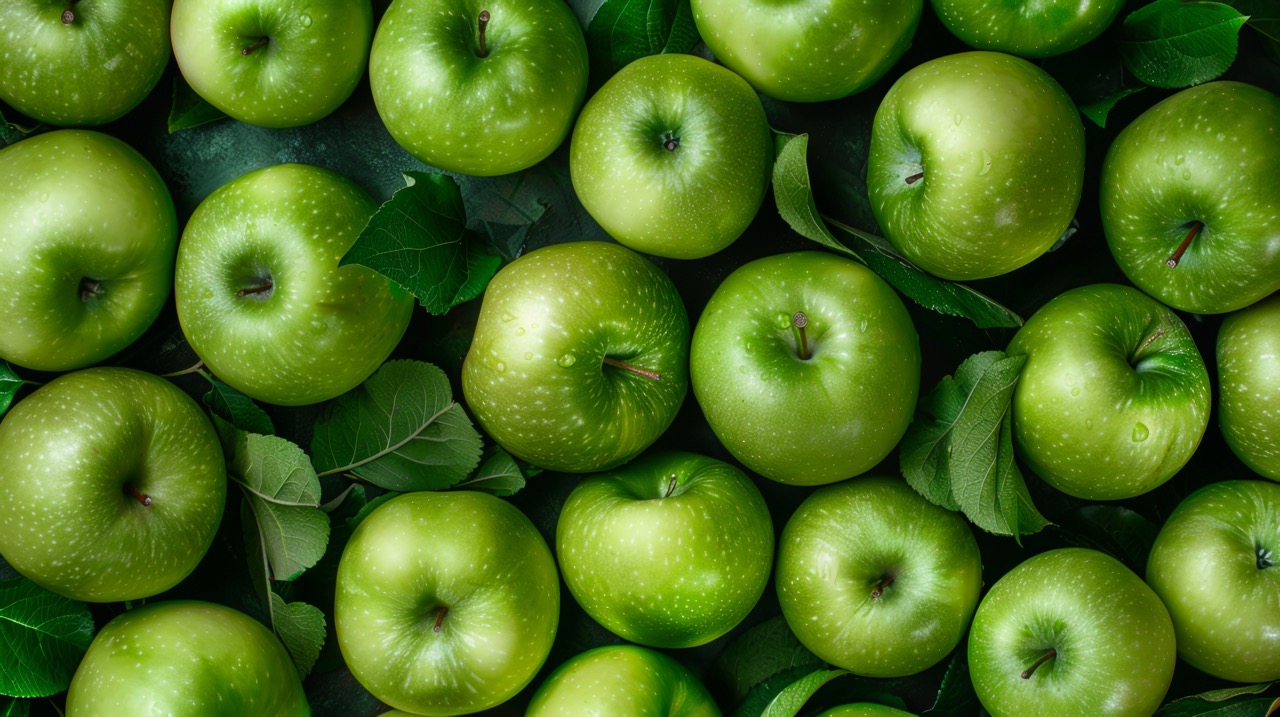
{"points": [[14, 707], [10, 382], [347, 503], [283, 495], [190, 109], [1096, 80], [762, 695], [623, 31], [400, 430], [11, 132], [301, 628], [368, 508], [793, 192], [766, 650], [236, 408], [419, 240], [1098, 109], [509, 239], [1112, 529], [498, 474], [1175, 44], [956, 697], [1264, 18], [1197, 707], [791, 700], [44, 636]]}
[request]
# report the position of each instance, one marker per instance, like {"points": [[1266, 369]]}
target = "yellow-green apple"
{"points": [[622, 681], [1028, 29], [1248, 351]]}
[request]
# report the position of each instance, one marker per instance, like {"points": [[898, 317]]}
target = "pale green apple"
{"points": [[622, 681], [1248, 352], [1027, 28]]}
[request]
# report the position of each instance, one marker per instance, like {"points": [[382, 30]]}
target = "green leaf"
{"points": [[1196, 707], [1112, 529], [11, 132], [1096, 80], [44, 636], [956, 697], [791, 700], [419, 240], [347, 503], [190, 109], [283, 495], [14, 707], [1264, 18], [961, 444], [301, 628], [400, 430], [498, 474], [235, 407], [623, 31], [1098, 109], [793, 192], [10, 382], [1175, 44], [755, 656]]}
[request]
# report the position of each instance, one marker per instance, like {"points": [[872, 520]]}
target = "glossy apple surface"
{"points": [[113, 484], [811, 414], [1114, 397], [1039, 28], [1248, 352], [622, 681], [88, 235]]}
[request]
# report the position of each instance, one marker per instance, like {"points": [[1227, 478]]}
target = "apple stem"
{"points": [[138, 495], [262, 42], [484, 22], [915, 178], [801, 320], [1182, 248], [69, 15], [879, 589], [670, 142], [89, 288], [261, 288], [1027, 673], [671, 488], [610, 361], [440, 618]]}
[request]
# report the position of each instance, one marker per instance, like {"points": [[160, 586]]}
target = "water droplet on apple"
{"points": [[44, 196], [1140, 433], [959, 119], [528, 355], [986, 164], [1075, 391], [520, 331], [508, 316], [1179, 159], [742, 369], [1088, 424], [567, 360], [500, 366], [1186, 174], [305, 20]]}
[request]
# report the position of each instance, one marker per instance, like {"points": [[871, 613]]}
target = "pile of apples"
{"points": [[805, 365]]}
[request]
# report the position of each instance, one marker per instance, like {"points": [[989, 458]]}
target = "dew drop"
{"points": [[500, 366], [508, 316], [567, 360], [528, 355], [1140, 433], [520, 331], [1179, 159], [44, 196], [986, 164], [1075, 391], [1186, 174], [742, 370], [959, 120], [305, 20], [1088, 424]]}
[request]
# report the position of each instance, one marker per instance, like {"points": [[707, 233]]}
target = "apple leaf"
{"points": [[10, 382], [1264, 18], [1175, 43], [958, 452], [283, 495], [301, 628], [419, 240], [1197, 706], [190, 109], [623, 31], [794, 196], [498, 474], [400, 430], [11, 132], [44, 635], [763, 652], [956, 696], [1112, 529], [14, 707], [791, 700], [235, 407]]}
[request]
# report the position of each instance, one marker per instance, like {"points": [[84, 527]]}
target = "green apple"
{"points": [[1028, 29], [1114, 396], [88, 235], [671, 550], [81, 63], [262, 299], [808, 52], [622, 681], [877, 580], [1216, 566], [813, 404], [480, 87], [1071, 632], [1248, 352], [864, 709], [273, 63], [113, 484], [976, 164], [672, 156], [447, 603], [186, 658], [580, 356], [1190, 195]]}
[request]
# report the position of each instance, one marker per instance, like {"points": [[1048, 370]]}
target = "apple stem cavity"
{"points": [[1264, 558], [674, 479], [137, 495], [262, 42], [800, 320], [610, 361], [69, 15], [1176, 257], [483, 23], [670, 142], [878, 591], [1027, 673], [90, 288], [915, 177], [440, 618]]}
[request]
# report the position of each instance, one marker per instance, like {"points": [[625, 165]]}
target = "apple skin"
{"points": [[672, 156], [186, 657], [806, 421], [1209, 154], [1114, 397], [1027, 29], [1248, 352], [671, 550], [320, 329], [89, 71], [808, 52], [622, 681], [1000, 148], [470, 554], [535, 376], [314, 55], [88, 239], [843, 542], [1112, 635], [497, 114], [864, 709], [1216, 566], [70, 454]]}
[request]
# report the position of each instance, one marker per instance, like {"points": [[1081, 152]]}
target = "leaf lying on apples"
{"points": [[958, 453], [623, 31], [10, 382], [1174, 43], [48, 631], [794, 195], [236, 408]]}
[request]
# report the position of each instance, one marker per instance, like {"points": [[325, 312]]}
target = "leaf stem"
{"points": [[1027, 673], [197, 368]]}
